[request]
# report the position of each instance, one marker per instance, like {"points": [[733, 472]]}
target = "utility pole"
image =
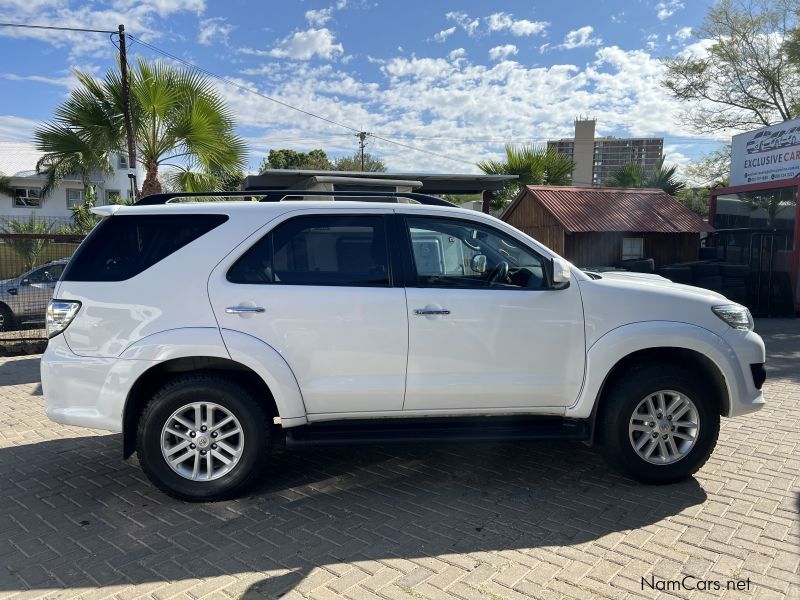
{"points": [[126, 106], [362, 142]]}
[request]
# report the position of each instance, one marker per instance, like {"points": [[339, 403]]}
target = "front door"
{"points": [[486, 328], [322, 286]]}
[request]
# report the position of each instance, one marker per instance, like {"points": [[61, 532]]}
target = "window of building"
{"points": [[632, 248], [27, 197], [74, 197], [340, 250], [122, 161], [113, 196]]}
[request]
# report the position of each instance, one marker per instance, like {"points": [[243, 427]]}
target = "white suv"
{"points": [[206, 332]]}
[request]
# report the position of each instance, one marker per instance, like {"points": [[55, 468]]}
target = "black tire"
{"points": [[7, 322], [619, 404], [705, 269], [249, 411], [676, 274]]}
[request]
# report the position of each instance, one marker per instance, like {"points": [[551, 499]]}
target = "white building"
{"points": [[18, 162]]}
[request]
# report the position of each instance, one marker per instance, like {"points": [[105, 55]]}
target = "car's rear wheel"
{"points": [[6, 318], [658, 423], [203, 438]]}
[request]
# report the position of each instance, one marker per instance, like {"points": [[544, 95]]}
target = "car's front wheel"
{"points": [[203, 438], [658, 424]]}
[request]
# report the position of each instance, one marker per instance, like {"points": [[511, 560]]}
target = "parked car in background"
{"points": [[210, 332], [24, 299]]}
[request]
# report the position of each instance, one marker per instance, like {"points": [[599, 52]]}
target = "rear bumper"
{"points": [[86, 391]]}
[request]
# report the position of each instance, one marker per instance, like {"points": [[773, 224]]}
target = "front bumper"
{"points": [[747, 350]]}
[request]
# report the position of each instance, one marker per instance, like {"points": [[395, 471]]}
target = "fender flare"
{"points": [[268, 363], [228, 344], [615, 345]]}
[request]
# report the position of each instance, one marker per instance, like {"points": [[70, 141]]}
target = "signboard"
{"points": [[768, 154]]}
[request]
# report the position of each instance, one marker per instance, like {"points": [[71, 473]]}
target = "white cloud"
{"points": [[215, 29], [444, 34], [619, 17], [683, 34], [144, 17], [667, 8], [305, 45], [457, 53], [503, 52], [464, 21], [318, 18], [502, 21], [17, 128], [652, 41], [580, 38], [451, 105]]}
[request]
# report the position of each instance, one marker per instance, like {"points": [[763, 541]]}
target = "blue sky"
{"points": [[455, 78]]}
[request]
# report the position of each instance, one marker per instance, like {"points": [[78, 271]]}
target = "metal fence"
{"points": [[30, 266]]}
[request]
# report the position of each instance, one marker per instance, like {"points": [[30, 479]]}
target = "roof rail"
{"points": [[278, 195]]}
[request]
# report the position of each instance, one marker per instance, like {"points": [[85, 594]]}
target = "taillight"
{"points": [[59, 315]]}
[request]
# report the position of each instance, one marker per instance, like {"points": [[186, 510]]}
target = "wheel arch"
{"points": [[156, 376], [680, 344]]}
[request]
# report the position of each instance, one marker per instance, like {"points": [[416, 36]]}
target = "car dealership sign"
{"points": [[768, 154]]}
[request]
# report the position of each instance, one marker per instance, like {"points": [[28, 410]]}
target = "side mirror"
{"points": [[478, 263], [561, 272]]}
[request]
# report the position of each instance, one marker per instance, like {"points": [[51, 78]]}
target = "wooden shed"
{"points": [[596, 227]]}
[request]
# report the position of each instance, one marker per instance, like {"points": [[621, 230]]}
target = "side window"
{"points": [[343, 250], [455, 253], [49, 274]]}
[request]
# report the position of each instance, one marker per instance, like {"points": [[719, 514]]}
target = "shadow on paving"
{"points": [[20, 371], [75, 515]]}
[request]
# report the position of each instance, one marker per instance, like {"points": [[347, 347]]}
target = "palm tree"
{"points": [[5, 185], [634, 175], [178, 120], [533, 165]]}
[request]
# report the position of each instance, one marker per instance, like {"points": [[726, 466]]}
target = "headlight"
{"points": [[735, 315], [59, 315]]}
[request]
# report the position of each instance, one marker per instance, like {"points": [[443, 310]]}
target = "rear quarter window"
{"points": [[122, 246]]}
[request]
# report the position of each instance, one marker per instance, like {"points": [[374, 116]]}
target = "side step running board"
{"points": [[438, 429]]}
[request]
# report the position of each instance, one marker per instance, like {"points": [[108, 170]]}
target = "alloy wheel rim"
{"points": [[664, 427], [202, 441]]}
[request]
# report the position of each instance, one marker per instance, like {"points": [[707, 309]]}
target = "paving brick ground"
{"points": [[493, 521]]}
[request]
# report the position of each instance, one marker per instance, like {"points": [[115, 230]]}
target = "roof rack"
{"points": [[278, 195]]}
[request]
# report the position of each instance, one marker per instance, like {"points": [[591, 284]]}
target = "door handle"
{"points": [[431, 311], [236, 310]]}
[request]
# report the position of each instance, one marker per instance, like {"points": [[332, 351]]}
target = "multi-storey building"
{"points": [[596, 158]]}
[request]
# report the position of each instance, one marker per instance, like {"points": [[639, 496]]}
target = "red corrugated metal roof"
{"points": [[581, 209]]}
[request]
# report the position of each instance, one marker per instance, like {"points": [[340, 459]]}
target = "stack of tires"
{"points": [[677, 273], [734, 281], [638, 265], [708, 276]]}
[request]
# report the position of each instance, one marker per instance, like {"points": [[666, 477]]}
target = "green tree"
{"points": [[179, 120], [372, 164], [28, 249], [634, 175], [533, 165], [749, 75], [695, 199], [713, 169], [315, 160]]}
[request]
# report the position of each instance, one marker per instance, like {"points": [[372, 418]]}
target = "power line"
{"points": [[53, 27], [287, 105], [239, 85]]}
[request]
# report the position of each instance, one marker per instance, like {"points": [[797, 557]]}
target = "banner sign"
{"points": [[768, 154]]}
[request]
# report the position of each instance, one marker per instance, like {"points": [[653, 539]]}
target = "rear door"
{"points": [[320, 289], [36, 289]]}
